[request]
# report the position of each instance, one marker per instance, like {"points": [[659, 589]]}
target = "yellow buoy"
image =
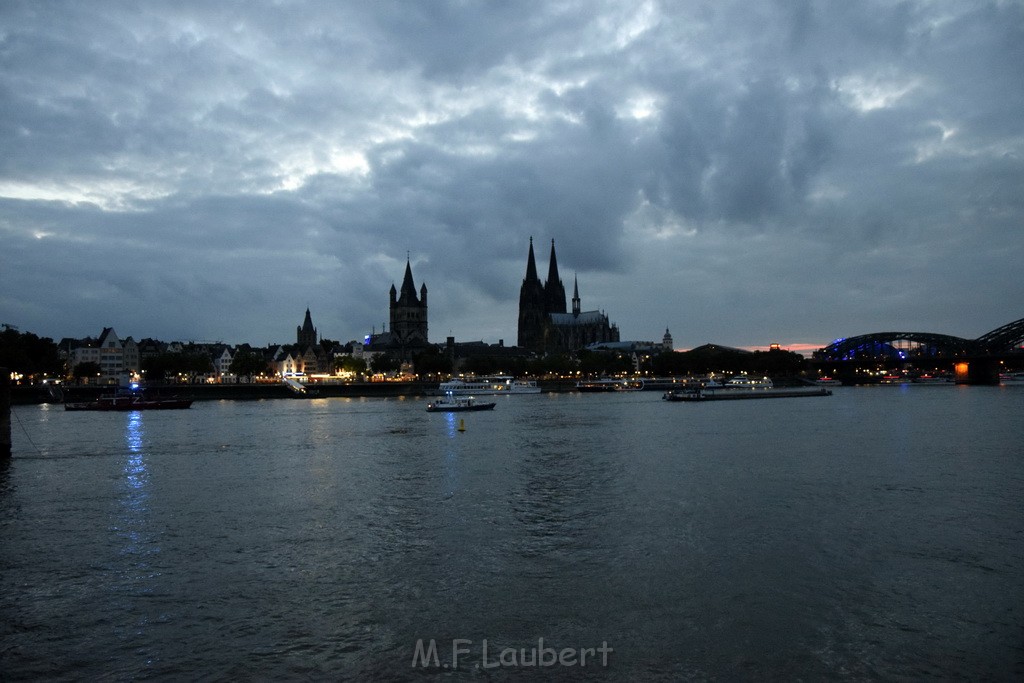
{"points": [[462, 425]]}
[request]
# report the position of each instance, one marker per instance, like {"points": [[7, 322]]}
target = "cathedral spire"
{"points": [[554, 290], [531, 265], [553, 266], [575, 296]]}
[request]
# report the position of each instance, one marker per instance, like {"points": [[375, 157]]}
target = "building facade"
{"points": [[117, 358]]}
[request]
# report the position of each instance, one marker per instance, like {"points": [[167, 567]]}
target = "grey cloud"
{"points": [[256, 158]]}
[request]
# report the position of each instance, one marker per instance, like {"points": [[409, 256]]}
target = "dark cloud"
{"points": [[787, 171]]}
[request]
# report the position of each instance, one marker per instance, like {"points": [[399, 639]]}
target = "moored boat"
{"points": [[743, 381], [127, 399], [696, 395], [932, 379], [603, 385], [488, 386]]}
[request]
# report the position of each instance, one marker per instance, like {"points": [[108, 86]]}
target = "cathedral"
{"points": [[544, 324]]}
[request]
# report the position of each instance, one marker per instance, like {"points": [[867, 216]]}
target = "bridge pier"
{"points": [[977, 371]]}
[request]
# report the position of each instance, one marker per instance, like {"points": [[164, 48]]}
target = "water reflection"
{"points": [[450, 470], [135, 466], [450, 420], [132, 524]]}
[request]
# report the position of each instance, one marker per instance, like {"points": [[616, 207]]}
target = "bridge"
{"points": [[974, 360]]}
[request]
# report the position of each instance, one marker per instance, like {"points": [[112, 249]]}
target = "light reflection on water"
{"points": [[135, 474], [132, 524]]}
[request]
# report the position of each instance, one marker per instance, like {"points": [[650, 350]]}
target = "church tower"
{"points": [[531, 307], [666, 341], [306, 335], [409, 312]]}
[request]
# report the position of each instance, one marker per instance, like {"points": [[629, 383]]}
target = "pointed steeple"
{"points": [[554, 290], [531, 265], [306, 335], [553, 265], [575, 296], [408, 287]]}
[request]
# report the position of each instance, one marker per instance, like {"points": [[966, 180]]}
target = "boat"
{"points": [[603, 385], [488, 386], [742, 381], [299, 389], [701, 394], [932, 379], [457, 404], [1011, 378], [127, 399], [827, 382], [597, 385], [659, 383]]}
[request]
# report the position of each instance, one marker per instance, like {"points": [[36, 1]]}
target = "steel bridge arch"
{"points": [[1003, 339], [884, 344]]}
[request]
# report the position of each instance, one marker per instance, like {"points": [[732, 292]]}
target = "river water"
{"points": [[874, 534]]}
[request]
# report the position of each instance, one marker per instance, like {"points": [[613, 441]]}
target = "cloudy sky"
{"points": [[738, 172]]}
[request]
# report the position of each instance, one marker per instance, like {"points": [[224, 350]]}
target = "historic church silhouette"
{"points": [[544, 324]]}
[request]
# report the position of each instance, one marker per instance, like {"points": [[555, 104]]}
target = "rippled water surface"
{"points": [[878, 533]]}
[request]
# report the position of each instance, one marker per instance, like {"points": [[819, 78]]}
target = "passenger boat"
{"points": [[602, 385], [722, 394], [1011, 378], [127, 399], [932, 379], [827, 382], [742, 381], [488, 386], [457, 404]]}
